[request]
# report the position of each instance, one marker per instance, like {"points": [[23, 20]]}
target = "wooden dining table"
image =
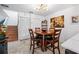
{"points": [[43, 44]]}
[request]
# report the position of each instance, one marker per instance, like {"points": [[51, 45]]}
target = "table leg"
{"points": [[43, 43]]}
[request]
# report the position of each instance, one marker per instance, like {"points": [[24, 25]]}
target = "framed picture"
{"points": [[52, 22], [59, 21], [75, 19]]}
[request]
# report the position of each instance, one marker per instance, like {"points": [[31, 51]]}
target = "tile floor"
{"points": [[22, 47]]}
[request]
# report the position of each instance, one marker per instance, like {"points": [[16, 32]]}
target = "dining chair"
{"points": [[37, 29], [51, 29], [33, 41], [54, 40], [49, 37]]}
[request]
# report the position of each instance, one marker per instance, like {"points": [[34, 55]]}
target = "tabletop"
{"points": [[44, 33]]}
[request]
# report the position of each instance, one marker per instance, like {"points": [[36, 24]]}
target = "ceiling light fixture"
{"points": [[41, 8]]}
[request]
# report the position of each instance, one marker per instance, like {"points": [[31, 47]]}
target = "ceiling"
{"points": [[52, 8]]}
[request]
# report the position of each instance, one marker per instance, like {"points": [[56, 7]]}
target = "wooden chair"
{"points": [[51, 29], [49, 37], [33, 40], [54, 40], [37, 29]]}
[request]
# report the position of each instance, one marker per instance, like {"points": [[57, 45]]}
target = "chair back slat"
{"points": [[55, 41], [51, 30], [37, 29], [57, 33]]}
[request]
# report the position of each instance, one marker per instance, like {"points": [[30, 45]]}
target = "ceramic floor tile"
{"points": [[22, 47]]}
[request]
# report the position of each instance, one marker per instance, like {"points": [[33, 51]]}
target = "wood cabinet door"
{"points": [[12, 33]]}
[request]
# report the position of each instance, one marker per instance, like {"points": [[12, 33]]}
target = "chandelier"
{"points": [[41, 8]]}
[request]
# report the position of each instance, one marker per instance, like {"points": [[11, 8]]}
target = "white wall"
{"points": [[69, 29], [27, 21], [2, 14], [12, 17], [36, 21]]}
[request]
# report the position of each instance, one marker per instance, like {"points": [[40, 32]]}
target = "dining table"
{"points": [[43, 41]]}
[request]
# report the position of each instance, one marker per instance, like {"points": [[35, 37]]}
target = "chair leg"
{"points": [[30, 45], [45, 45], [37, 43], [53, 49], [58, 48], [41, 45], [51, 45], [33, 47]]}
